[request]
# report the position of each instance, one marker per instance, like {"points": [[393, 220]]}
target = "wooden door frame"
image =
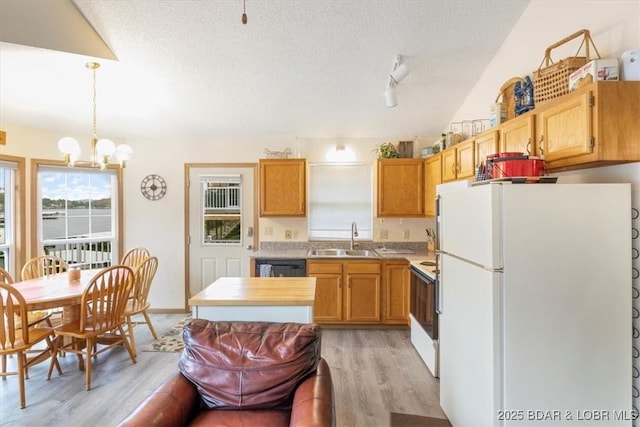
{"points": [[187, 224]]}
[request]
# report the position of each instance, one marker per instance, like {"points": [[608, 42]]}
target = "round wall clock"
{"points": [[153, 187]]}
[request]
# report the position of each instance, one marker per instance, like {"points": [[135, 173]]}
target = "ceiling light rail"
{"points": [[102, 150], [399, 72]]}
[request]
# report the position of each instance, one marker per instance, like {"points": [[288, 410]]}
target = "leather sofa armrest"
{"points": [[174, 403], [313, 402]]}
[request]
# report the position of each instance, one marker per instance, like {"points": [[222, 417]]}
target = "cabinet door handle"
{"points": [[540, 146], [529, 147]]}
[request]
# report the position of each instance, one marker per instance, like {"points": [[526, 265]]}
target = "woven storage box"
{"points": [[507, 96], [551, 79]]}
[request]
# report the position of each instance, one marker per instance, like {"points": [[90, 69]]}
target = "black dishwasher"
{"points": [[278, 267]]}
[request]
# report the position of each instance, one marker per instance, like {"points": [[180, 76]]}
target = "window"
{"points": [[221, 203], [78, 215], [7, 215], [340, 194]]}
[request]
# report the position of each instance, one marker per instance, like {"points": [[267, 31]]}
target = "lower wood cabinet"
{"points": [[361, 291], [395, 295], [346, 291]]}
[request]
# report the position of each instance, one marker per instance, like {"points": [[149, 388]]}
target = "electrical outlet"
{"points": [[287, 234], [406, 234], [268, 231], [384, 234], [295, 234]]}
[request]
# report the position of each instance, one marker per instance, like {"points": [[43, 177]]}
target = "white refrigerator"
{"points": [[535, 302]]}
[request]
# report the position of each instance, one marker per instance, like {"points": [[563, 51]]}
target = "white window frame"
{"points": [[94, 251], [8, 247], [335, 202], [230, 210]]}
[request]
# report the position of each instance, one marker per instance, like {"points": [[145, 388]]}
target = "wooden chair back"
{"points": [[143, 278], [134, 257], [5, 277], [14, 334], [104, 300], [43, 265]]}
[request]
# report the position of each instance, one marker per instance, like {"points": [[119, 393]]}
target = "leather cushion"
{"points": [[248, 365]]}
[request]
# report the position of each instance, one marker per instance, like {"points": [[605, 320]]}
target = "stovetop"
{"points": [[428, 268]]}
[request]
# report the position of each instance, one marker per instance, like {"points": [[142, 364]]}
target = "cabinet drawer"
{"points": [[324, 267], [363, 267]]}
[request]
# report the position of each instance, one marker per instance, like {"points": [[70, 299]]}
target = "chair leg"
{"points": [[148, 320], [23, 399], [54, 357], [127, 345], [3, 363], [90, 350], [131, 334]]}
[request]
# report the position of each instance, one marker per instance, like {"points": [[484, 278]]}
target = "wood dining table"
{"points": [[56, 291]]}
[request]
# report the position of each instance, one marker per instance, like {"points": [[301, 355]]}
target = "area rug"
{"points": [[408, 420], [170, 341]]}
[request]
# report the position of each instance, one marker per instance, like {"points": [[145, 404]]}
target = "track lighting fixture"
{"points": [[399, 72]]}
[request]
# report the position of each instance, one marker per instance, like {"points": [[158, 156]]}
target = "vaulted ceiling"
{"points": [[191, 69]]}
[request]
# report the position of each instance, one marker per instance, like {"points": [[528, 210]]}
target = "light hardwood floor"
{"points": [[374, 371]]}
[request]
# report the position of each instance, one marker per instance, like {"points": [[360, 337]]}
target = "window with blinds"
{"points": [[221, 201], [340, 194]]}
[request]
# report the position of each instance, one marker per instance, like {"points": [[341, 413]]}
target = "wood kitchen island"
{"points": [[270, 299]]}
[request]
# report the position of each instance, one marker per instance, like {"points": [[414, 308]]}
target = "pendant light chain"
{"points": [[94, 66]]}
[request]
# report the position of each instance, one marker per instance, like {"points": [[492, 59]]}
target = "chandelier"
{"points": [[102, 150]]}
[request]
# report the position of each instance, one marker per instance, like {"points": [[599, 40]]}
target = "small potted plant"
{"points": [[387, 151]]}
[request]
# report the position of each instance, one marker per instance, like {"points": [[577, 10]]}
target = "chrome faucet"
{"points": [[354, 233]]}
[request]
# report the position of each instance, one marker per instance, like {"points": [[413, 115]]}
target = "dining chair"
{"points": [[134, 257], [33, 318], [102, 309], [138, 302], [18, 338], [43, 265]]}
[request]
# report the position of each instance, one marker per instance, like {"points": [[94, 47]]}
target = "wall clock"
{"points": [[153, 187]]}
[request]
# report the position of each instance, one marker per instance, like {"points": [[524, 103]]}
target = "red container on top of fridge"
{"points": [[513, 165]]}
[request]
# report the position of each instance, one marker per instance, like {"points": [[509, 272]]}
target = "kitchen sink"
{"points": [[342, 253]]}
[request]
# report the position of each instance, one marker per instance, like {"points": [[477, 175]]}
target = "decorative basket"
{"points": [[507, 94], [551, 79]]}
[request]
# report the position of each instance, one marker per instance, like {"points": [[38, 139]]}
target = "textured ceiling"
{"points": [[301, 68]]}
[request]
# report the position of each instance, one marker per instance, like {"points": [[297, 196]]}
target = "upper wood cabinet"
{"points": [[432, 177], [400, 188], [518, 135], [593, 126], [486, 144], [458, 162], [283, 187]]}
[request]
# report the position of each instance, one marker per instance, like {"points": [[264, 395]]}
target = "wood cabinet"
{"points": [[400, 188], [283, 187], [432, 177], [518, 135], [458, 162], [395, 295], [486, 144], [346, 291], [594, 126]]}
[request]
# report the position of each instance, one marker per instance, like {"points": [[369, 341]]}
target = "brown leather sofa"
{"points": [[244, 374]]}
